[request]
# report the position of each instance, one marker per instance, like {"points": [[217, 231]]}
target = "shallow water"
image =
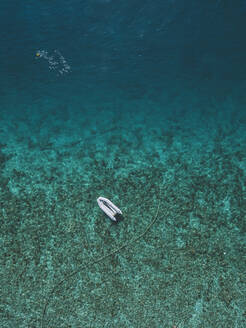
{"points": [[141, 102]]}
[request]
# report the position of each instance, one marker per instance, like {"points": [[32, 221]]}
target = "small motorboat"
{"points": [[111, 210]]}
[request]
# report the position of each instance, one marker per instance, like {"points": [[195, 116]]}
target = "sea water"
{"points": [[141, 102]]}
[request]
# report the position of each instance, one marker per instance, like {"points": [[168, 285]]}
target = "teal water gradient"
{"points": [[141, 102]]}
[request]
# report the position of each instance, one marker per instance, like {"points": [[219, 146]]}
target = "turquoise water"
{"points": [[141, 102]]}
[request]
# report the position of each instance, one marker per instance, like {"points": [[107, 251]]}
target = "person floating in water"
{"points": [[56, 61]]}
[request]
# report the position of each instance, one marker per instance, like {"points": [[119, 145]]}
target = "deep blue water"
{"points": [[122, 44], [142, 102]]}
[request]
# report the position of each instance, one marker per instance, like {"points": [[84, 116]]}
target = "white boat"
{"points": [[111, 210]]}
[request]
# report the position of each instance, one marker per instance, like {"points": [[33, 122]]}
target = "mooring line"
{"points": [[102, 258]]}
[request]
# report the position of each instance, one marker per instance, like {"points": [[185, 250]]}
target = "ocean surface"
{"points": [[144, 103]]}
